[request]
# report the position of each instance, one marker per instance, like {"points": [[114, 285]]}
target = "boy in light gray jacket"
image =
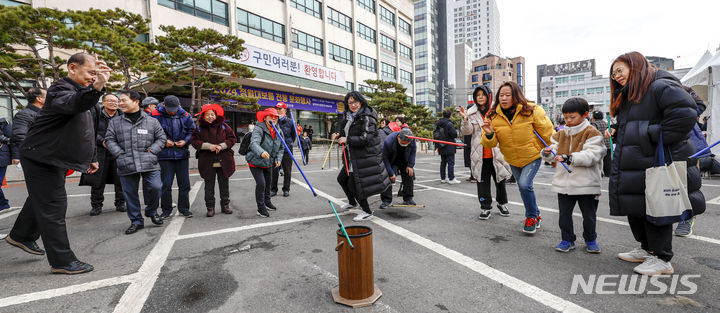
{"points": [[134, 140], [580, 146]]}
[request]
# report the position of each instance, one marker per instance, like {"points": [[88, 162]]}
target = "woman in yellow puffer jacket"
{"points": [[511, 125]]}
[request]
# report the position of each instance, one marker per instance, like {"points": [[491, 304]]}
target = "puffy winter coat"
{"points": [[7, 150], [391, 153], [274, 147], [666, 107], [364, 152], [472, 126], [101, 120], [21, 123], [517, 141], [450, 135], [216, 133], [135, 146], [176, 127]]}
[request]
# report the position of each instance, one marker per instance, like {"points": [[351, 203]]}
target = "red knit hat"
{"points": [[219, 111], [269, 111], [281, 105]]}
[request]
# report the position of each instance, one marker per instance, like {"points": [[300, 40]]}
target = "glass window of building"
{"points": [[475, 78], [367, 5], [312, 7], [339, 20], [340, 54], [211, 10], [387, 43], [260, 26], [366, 32], [367, 63], [350, 86], [307, 42], [387, 16], [405, 52], [406, 77], [404, 26], [388, 71]]}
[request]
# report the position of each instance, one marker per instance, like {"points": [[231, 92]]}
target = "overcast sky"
{"points": [[559, 31]]}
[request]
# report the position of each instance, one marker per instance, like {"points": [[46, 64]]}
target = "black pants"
{"points": [[607, 162], [306, 154], [655, 239], [488, 175], [407, 186], [286, 165], [43, 214], [588, 206], [447, 161], [347, 182], [222, 184], [97, 196], [262, 185]]}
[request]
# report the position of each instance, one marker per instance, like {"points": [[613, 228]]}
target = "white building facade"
{"points": [[555, 90]]}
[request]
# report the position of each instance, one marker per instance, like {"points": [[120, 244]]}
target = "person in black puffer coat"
{"points": [[358, 133], [645, 102], [447, 152]]}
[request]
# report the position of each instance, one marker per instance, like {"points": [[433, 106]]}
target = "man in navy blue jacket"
{"points": [[287, 127], [174, 158], [399, 157], [8, 153]]}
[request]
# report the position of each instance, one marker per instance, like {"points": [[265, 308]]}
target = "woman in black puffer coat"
{"points": [[646, 101], [358, 134]]}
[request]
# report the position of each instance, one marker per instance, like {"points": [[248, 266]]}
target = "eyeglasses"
{"points": [[110, 101], [617, 72]]}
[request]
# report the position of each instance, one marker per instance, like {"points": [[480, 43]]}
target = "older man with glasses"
{"points": [[107, 172]]}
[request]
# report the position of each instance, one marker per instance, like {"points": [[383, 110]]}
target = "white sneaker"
{"points": [[443, 181], [453, 182], [654, 266], [362, 216], [347, 206], [637, 255]]}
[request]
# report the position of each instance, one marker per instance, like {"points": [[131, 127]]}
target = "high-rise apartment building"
{"points": [[477, 21], [431, 59]]}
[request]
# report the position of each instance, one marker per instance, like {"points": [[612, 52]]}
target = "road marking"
{"points": [[10, 212], [547, 184], [526, 289], [52, 293], [253, 226], [138, 292], [602, 219], [105, 193], [520, 286]]}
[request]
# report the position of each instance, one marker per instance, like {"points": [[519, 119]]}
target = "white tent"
{"points": [[707, 73]]}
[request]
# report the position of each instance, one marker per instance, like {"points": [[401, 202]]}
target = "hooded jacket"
{"points": [[471, 125], [176, 127], [451, 133], [665, 107], [516, 139], [364, 152]]}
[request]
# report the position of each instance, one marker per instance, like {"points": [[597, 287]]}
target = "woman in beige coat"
{"points": [[485, 162]]}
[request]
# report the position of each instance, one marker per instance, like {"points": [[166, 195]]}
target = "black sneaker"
{"points": [[187, 213], [155, 218], [384, 205], [273, 193], [165, 215], [271, 206], [263, 213], [95, 211], [121, 208], [29, 246], [409, 202], [75, 267], [484, 215], [286, 193], [133, 228], [503, 209]]}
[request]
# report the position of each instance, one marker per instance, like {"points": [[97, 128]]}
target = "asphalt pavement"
{"points": [[436, 258]]}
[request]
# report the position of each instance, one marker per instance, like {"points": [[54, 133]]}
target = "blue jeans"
{"points": [[169, 169], [3, 201], [524, 176], [449, 161], [151, 194]]}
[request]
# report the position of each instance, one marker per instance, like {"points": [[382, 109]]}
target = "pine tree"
{"points": [[389, 99], [198, 56]]}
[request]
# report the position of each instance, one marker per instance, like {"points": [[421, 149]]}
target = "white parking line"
{"points": [[137, 293], [602, 219], [10, 212], [518, 285]]}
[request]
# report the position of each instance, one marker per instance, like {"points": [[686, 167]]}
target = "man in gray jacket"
{"points": [[134, 140]]}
